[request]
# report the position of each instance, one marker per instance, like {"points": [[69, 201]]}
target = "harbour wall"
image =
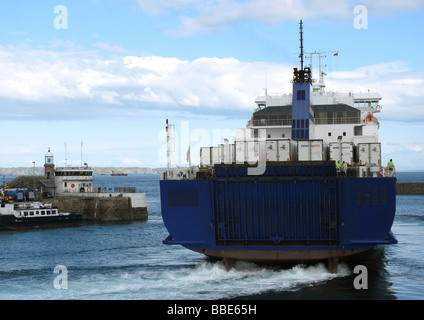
{"points": [[410, 188], [105, 207]]}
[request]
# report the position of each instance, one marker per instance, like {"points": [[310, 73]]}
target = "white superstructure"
{"points": [[322, 125], [343, 128], [338, 116]]}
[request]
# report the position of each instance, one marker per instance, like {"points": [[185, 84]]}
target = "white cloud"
{"points": [[155, 7], [400, 146], [57, 85], [388, 7], [402, 90], [127, 161], [106, 47], [39, 79]]}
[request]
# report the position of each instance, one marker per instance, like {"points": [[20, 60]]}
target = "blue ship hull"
{"points": [[293, 212]]}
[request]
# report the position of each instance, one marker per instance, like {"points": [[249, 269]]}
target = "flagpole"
{"points": [[189, 156]]}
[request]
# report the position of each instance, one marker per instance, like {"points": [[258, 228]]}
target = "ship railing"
{"points": [[345, 120], [288, 122], [271, 122]]}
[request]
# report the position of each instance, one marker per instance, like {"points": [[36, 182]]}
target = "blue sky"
{"points": [[121, 67]]}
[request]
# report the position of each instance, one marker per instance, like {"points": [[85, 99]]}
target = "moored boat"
{"points": [[32, 215]]}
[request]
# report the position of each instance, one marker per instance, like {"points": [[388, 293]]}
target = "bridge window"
{"points": [[358, 131]]}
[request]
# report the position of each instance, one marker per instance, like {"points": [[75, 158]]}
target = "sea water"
{"points": [[129, 261]]}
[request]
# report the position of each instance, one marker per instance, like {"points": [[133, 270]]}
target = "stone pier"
{"points": [[105, 207], [404, 188]]}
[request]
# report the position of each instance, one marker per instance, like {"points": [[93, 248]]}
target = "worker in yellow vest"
{"points": [[391, 168]]}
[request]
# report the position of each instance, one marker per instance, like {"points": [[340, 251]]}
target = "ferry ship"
{"points": [[32, 215], [302, 182]]}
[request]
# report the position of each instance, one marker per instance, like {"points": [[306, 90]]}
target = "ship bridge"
{"points": [[324, 114]]}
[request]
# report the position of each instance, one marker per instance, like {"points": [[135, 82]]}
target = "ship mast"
{"points": [[301, 45], [302, 115]]}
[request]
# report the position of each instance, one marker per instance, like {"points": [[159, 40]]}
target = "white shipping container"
{"points": [[205, 156], [252, 152], [341, 151], [303, 150], [375, 153], [347, 152], [363, 153], [240, 152], [229, 153], [317, 150], [271, 150], [335, 151], [310, 150], [215, 156], [369, 153], [221, 153], [284, 148]]}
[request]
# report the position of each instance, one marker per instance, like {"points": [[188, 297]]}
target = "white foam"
{"points": [[205, 280], [212, 281]]}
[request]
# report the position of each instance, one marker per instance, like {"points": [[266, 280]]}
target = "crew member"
{"points": [[391, 168], [344, 167], [338, 164]]}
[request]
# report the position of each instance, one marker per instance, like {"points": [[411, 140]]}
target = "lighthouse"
{"points": [[49, 165]]}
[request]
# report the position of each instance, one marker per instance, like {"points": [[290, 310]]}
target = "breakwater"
{"points": [[411, 188], [105, 208]]}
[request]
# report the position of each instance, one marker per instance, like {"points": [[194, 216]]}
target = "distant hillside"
{"points": [[28, 171], [108, 170]]}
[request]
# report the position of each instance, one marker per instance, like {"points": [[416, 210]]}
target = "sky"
{"points": [[96, 80]]}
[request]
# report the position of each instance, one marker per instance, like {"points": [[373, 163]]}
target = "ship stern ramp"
{"points": [[293, 212]]}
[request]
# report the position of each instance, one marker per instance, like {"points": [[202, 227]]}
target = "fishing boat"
{"points": [[303, 181]]}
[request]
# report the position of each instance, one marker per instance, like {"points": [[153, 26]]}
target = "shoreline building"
{"points": [[68, 179], [73, 180]]}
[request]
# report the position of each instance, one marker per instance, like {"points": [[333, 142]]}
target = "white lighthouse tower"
{"points": [[49, 165]]}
